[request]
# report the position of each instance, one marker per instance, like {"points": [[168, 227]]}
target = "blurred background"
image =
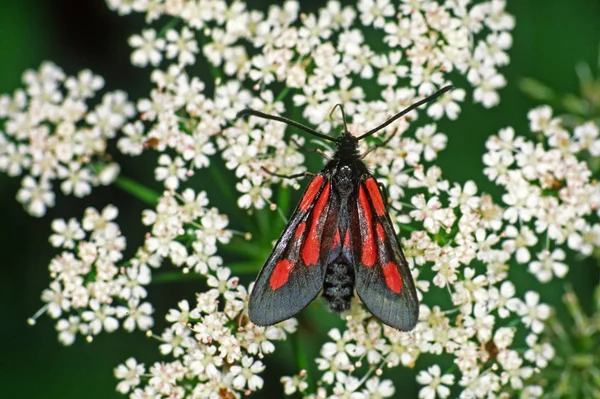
{"points": [[550, 38]]}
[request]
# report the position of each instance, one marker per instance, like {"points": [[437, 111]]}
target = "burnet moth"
{"points": [[340, 238]]}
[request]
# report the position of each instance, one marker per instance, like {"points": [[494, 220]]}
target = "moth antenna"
{"points": [[407, 110], [287, 121], [343, 116]]}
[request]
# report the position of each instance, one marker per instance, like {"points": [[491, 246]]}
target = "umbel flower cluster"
{"points": [[463, 243]]}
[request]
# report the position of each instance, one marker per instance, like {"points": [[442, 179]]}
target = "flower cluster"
{"points": [[426, 41], [94, 289], [463, 242], [49, 133], [549, 191], [90, 292], [212, 344]]}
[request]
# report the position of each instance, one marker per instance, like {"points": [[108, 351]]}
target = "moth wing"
{"points": [[293, 274], [383, 279]]}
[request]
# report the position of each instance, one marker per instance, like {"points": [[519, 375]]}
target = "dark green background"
{"points": [[549, 39]]}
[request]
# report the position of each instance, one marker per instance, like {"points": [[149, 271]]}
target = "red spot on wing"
{"points": [[311, 192], [300, 229], [380, 232], [312, 245], [336, 239], [281, 273], [347, 240], [392, 277], [375, 195], [369, 251]]}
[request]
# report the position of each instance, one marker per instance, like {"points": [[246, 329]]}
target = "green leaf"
{"points": [[250, 267], [245, 248], [283, 200], [176, 276], [537, 90], [138, 190], [228, 194], [575, 105], [301, 359]]}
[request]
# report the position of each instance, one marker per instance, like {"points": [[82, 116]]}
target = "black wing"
{"points": [[383, 280], [293, 274]]}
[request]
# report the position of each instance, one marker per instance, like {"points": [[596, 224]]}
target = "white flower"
{"points": [[487, 81], [464, 196], [50, 133], [77, 180], [100, 316], [179, 317], [373, 12], [136, 315], [68, 329], [85, 85], [197, 147], [221, 281], [36, 195], [519, 242], [533, 312], [549, 264], [171, 171], [432, 142], [521, 197], [133, 141], [56, 299], [503, 299], [436, 383], [148, 48], [540, 119], [497, 166], [246, 374], [378, 389], [183, 46], [447, 105], [254, 194], [14, 158], [514, 371], [129, 374], [95, 221], [66, 233], [539, 353], [390, 68], [587, 135], [293, 384], [426, 211], [446, 267]]}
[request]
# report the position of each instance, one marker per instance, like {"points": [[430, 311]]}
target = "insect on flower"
{"points": [[339, 238]]}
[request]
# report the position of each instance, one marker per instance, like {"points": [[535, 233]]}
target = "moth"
{"points": [[339, 239]]}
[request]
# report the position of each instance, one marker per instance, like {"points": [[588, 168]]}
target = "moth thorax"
{"points": [[338, 287], [343, 180]]}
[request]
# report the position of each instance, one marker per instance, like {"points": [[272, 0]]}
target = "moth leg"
{"points": [[386, 199], [384, 193], [376, 146], [294, 176], [305, 149]]}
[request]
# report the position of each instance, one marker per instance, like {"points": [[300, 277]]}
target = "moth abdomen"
{"points": [[338, 287]]}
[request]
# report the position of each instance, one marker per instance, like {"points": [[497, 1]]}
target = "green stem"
{"points": [[282, 94], [242, 268], [169, 25], [245, 248], [138, 190], [283, 200], [301, 358], [264, 221], [176, 276], [225, 187]]}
